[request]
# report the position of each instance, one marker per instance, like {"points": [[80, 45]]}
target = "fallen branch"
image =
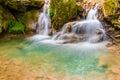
{"points": [[114, 41]]}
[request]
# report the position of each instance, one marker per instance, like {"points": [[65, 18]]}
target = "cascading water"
{"points": [[44, 20], [90, 30]]}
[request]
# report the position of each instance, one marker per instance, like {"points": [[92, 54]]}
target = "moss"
{"points": [[62, 12], [16, 27], [51, 12]]}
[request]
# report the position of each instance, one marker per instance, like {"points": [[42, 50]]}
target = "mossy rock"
{"points": [[109, 7], [22, 5], [111, 11], [62, 11], [30, 19]]}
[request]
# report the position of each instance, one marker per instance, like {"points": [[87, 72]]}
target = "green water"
{"points": [[63, 58]]}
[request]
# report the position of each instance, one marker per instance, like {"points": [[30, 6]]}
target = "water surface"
{"points": [[71, 59]]}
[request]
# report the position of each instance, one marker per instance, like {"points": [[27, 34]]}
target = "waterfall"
{"points": [[44, 20], [92, 13], [90, 30]]}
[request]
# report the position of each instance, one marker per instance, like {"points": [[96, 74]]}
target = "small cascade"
{"points": [[44, 21], [89, 30]]}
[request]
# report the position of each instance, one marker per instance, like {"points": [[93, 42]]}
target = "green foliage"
{"points": [[16, 27], [51, 12]]}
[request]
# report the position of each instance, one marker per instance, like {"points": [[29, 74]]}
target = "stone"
{"points": [[115, 70], [117, 36], [109, 45]]}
